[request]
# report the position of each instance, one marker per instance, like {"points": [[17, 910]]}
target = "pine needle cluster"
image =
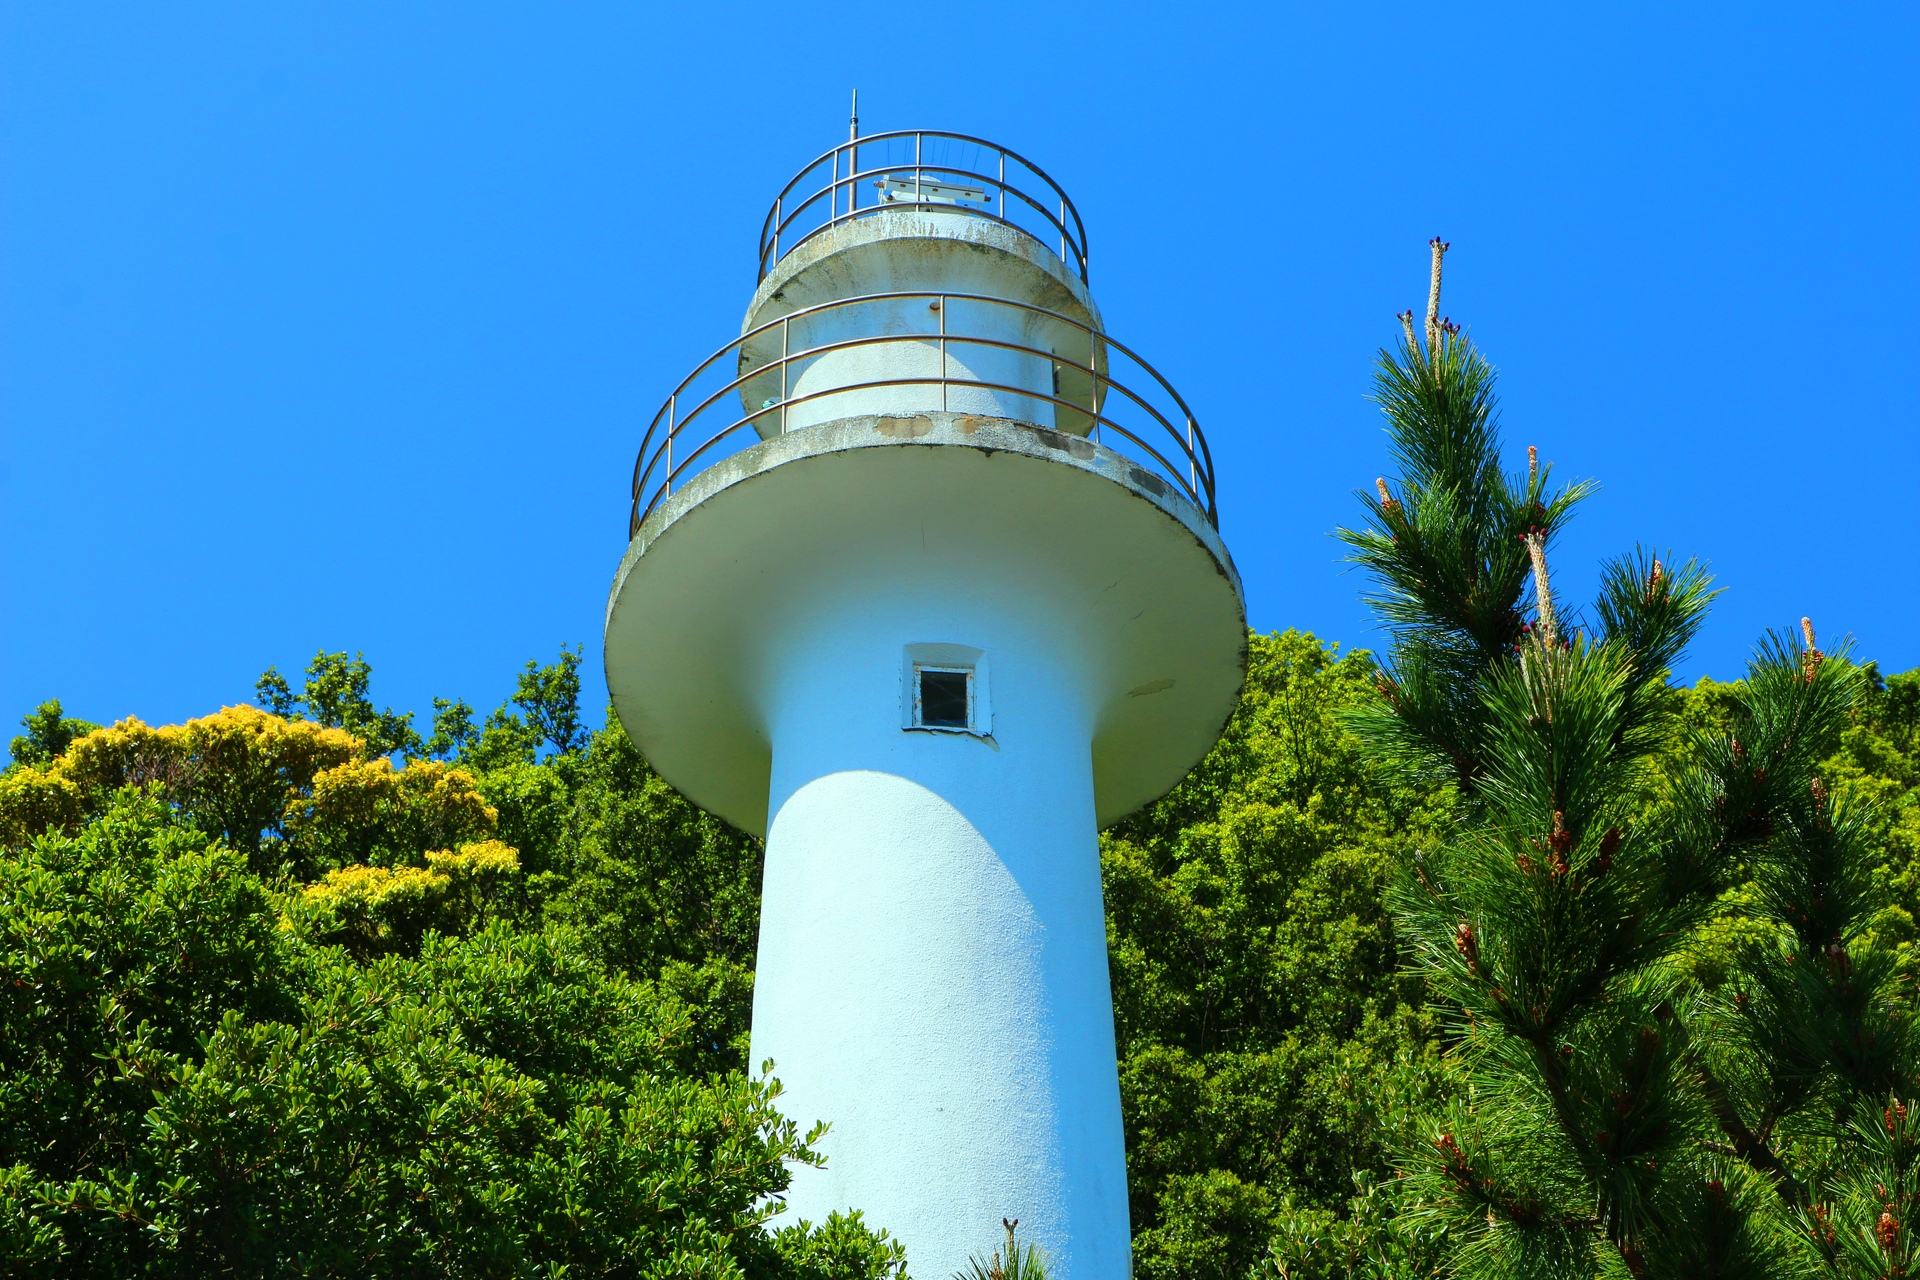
{"points": [[1030, 1264], [1612, 1116]]}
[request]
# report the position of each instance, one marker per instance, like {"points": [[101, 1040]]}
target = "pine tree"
{"points": [[1612, 1115]]}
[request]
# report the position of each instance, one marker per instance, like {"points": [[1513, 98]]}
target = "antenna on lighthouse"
{"points": [[853, 161]]}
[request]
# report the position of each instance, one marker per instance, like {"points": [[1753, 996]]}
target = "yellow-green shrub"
{"points": [[368, 811], [234, 772], [373, 908], [483, 879], [33, 801]]}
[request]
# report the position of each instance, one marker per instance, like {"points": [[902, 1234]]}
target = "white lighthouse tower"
{"points": [[924, 585]]}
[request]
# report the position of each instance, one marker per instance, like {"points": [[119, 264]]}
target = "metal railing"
{"points": [[1133, 410], [920, 168]]}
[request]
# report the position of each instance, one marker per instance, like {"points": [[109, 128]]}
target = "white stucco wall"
{"points": [[932, 971]]}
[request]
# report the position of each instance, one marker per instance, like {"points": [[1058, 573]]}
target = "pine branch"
{"points": [[1744, 1142], [1450, 545]]}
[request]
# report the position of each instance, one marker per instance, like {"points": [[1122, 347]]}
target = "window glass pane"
{"points": [[943, 699]]}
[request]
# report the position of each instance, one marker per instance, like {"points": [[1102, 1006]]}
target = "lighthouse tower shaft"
{"points": [[956, 609]]}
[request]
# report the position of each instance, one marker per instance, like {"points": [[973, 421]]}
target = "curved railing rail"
{"points": [[1130, 409], [923, 168]]}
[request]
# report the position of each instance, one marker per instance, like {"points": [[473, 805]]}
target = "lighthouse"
{"points": [[924, 584]]}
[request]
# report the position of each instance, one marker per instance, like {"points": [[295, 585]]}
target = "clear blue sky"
{"points": [[336, 325]]}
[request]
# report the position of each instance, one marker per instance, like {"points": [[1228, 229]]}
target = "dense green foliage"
{"points": [[298, 1011], [271, 1006], [1262, 1021]]}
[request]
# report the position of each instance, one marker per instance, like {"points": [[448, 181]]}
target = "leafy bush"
{"points": [[419, 1063]]}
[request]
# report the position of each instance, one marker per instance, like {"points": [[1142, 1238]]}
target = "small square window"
{"points": [[945, 688], [943, 698]]}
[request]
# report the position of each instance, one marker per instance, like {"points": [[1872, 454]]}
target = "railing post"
{"points": [[1193, 468], [1003, 186], [672, 401], [916, 167], [1093, 402], [942, 300], [776, 233], [785, 348]]}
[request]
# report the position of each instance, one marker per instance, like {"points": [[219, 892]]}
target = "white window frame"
{"points": [[959, 658]]}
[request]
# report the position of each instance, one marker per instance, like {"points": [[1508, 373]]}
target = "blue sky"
{"points": [[336, 326]]}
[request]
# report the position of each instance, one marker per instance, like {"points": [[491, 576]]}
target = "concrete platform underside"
{"points": [[952, 507]]}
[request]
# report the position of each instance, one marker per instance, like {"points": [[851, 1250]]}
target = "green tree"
{"points": [[549, 698], [453, 730], [335, 695], [1260, 1017], [48, 733], [1607, 1112]]}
